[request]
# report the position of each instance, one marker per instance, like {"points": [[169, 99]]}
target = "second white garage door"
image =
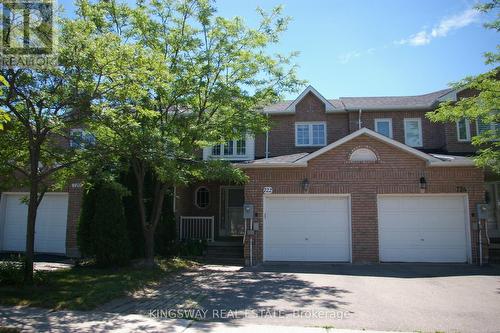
{"points": [[50, 226], [306, 228], [422, 228]]}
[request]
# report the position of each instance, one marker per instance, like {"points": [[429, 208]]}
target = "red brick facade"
{"points": [[435, 136], [331, 173]]}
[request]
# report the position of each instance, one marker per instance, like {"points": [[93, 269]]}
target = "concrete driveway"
{"points": [[394, 297]]}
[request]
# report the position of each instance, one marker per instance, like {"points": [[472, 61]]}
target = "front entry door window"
{"points": [[234, 199]]}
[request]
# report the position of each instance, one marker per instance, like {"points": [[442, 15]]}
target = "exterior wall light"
{"points": [[423, 184], [305, 185]]}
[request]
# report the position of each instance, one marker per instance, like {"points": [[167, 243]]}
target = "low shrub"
{"points": [[12, 273], [102, 229]]}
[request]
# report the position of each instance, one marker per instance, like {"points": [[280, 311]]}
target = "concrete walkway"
{"points": [[40, 320]]}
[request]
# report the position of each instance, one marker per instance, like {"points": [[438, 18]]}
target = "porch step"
{"points": [[494, 256], [224, 261], [226, 253], [225, 244]]}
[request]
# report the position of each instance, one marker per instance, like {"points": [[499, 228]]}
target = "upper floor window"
{"points": [[384, 126], [230, 148], [463, 130], [234, 150], [413, 132], [310, 134], [79, 138], [483, 127]]}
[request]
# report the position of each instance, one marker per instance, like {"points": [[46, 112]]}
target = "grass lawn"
{"points": [[84, 288]]}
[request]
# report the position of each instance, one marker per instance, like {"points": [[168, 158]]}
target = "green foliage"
{"points": [[190, 79], [483, 106], [111, 245], [102, 230], [166, 231], [186, 79], [12, 270], [86, 287], [86, 225]]}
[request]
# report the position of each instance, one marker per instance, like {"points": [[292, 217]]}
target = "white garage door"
{"points": [[50, 226], [306, 228], [422, 228]]}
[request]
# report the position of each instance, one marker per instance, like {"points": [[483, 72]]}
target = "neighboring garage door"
{"points": [[306, 228], [422, 228], [50, 226]]}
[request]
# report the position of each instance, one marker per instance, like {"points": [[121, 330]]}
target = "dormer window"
{"points": [[310, 134], [234, 150], [80, 138], [230, 148]]}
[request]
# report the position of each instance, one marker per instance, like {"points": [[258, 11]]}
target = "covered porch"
{"points": [[212, 212]]}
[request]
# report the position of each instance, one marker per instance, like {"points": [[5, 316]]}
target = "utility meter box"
{"points": [[482, 211], [248, 211]]}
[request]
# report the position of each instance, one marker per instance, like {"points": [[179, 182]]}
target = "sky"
{"points": [[376, 48]]}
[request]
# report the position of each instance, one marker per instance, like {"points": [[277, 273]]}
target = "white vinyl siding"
{"points": [[463, 130], [384, 126], [413, 132], [310, 134]]}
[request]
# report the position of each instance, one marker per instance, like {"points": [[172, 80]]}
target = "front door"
{"points": [[233, 223]]}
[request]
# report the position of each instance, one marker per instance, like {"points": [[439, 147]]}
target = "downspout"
{"points": [[359, 118], [267, 138]]}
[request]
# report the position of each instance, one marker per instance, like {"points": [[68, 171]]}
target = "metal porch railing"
{"points": [[196, 227]]}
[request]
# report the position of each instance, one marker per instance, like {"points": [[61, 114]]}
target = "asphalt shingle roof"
{"points": [[279, 159], [367, 103]]}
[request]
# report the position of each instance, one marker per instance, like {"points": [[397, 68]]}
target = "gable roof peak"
{"points": [[329, 107], [365, 131]]}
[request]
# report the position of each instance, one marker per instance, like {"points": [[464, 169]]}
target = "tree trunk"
{"points": [[30, 233], [148, 222], [149, 244]]}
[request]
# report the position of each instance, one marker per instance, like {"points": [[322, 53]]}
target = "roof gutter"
{"points": [[390, 108], [269, 165], [452, 164]]}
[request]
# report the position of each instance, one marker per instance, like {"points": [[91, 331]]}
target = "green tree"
{"points": [[484, 106], [4, 117], [43, 104], [102, 229], [196, 79]]}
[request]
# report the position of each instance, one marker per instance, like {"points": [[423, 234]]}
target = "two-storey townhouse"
{"points": [[353, 179]]}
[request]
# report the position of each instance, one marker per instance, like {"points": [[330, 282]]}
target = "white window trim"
{"points": [[72, 143], [85, 136], [419, 120], [310, 123], [492, 127], [467, 131], [249, 151], [380, 120], [234, 144]]}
